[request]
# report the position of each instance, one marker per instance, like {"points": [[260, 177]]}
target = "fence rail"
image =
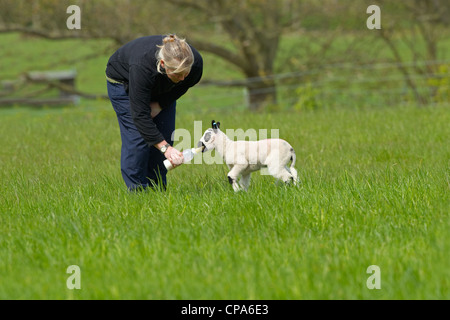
{"points": [[371, 84], [377, 84]]}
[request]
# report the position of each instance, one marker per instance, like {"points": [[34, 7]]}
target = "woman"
{"points": [[145, 78]]}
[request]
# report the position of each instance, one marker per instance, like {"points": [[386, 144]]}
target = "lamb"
{"points": [[245, 157]]}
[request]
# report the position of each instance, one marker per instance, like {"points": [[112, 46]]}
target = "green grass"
{"points": [[375, 191]]}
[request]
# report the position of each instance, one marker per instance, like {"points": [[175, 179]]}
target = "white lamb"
{"points": [[244, 157]]}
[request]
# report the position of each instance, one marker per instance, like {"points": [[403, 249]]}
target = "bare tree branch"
{"points": [[53, 35]]}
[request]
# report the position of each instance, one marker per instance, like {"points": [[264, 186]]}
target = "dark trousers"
{"points": [[141, 165]]}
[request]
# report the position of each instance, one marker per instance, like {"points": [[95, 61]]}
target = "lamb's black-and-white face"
{"points": [[207, 141]]}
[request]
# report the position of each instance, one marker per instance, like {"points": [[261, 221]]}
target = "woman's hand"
{"points": [[174, 156]]}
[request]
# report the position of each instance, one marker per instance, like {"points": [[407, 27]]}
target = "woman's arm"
{"points": [[156, 109]]}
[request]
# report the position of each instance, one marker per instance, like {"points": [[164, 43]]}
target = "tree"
{"points": [[422, 21], [247, 33], [254, 28]]}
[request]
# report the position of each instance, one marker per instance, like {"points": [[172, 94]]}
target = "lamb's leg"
{"points": [[281, 173], [294, 174], [288, 177], [245, 181], [234, 174]]}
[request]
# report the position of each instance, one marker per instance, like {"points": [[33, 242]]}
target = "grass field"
{"points": [[375, 191]]}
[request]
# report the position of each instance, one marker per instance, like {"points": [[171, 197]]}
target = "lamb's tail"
{"points": [[292, 168]]}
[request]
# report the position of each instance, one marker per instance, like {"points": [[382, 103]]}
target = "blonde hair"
{"points": [[176, 54]]}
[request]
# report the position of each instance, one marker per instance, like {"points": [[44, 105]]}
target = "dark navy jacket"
{"points": [[134, 64]]}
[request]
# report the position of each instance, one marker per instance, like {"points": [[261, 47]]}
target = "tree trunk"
{"points": [[261, 94]]}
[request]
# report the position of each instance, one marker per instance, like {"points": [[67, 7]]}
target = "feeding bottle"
{"points": [[188, 155]]}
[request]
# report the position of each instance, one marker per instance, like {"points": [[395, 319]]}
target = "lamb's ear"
{"points": [[214, 124], [218, 125]]}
